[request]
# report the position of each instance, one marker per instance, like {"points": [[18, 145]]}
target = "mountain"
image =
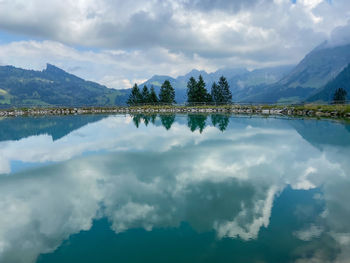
{"points": [[53, 86], [317, 68], [252, 82], [157, 80], [242, 81], [209, 78], [284, 84], [260, 76], [327, 93]]}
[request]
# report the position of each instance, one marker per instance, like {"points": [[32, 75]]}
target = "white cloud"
{"points": [[113, 68], [135, 41]]}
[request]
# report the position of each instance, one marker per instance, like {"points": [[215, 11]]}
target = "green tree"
{"points": [[153, 96], [216, 93], [340, 96], [167, 93], [145, 94], [208, 98], [196, 91], [201, 92], [191, 90], [135, 96], [224, 88]]}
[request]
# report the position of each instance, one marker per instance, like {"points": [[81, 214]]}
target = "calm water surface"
{"points": [[174, 189]]}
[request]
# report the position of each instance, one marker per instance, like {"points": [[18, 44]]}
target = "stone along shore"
{"points": [[335, 111]]}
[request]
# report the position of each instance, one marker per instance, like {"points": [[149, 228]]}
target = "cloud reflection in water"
{"points": [[157, 176]]}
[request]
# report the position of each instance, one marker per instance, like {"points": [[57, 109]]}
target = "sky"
{"points": [[118, 43]]}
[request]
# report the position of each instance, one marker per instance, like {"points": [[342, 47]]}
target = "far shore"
{"points": [[307, 110]]}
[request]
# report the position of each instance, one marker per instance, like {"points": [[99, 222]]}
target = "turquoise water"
{"points": [[174, 188]]}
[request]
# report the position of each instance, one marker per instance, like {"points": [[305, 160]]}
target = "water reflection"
{"points": [[194, 121], [167, 120], [260, 182], [56, 126], [221, 121], [149, 118]]}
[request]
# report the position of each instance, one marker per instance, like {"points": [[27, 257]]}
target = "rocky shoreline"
{"points": [[331, 111]]}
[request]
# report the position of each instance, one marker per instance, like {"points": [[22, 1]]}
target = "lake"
{"points": [[174, 188]]}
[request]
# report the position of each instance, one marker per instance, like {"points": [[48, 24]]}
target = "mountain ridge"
{"points": [[283, 84], [341, 81], [241, 80], [314, 71], [52, 86]]}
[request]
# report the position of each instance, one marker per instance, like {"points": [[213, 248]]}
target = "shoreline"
{"points": [[321, 111]]}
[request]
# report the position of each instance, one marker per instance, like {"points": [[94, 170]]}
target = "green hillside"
{"points": [[307, 78], [52, 86], [327, 93], [318, 67]]}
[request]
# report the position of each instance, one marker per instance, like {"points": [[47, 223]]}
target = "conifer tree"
{"points": [[135, 96], [196, 91], [216, 93], [153, 99], [201, 92], [340, 96], [191, 90], [208, 98], [225, 89], [167, 93], [145, 94]]}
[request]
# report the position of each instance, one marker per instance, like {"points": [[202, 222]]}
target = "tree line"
{"points": [[166, 95], [339, 96], [196, 93]]}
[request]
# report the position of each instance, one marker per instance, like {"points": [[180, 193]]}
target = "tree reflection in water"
{"points": [[196, 121]]}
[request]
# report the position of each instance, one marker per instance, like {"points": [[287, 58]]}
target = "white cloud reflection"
{"points": [[137, 179]]}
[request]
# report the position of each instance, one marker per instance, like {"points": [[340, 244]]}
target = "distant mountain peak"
{"points": [[53, 69], [161, 76], [196, 70]]}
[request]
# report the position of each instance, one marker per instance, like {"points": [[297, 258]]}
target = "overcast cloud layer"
{"points": [[118, 42]]}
